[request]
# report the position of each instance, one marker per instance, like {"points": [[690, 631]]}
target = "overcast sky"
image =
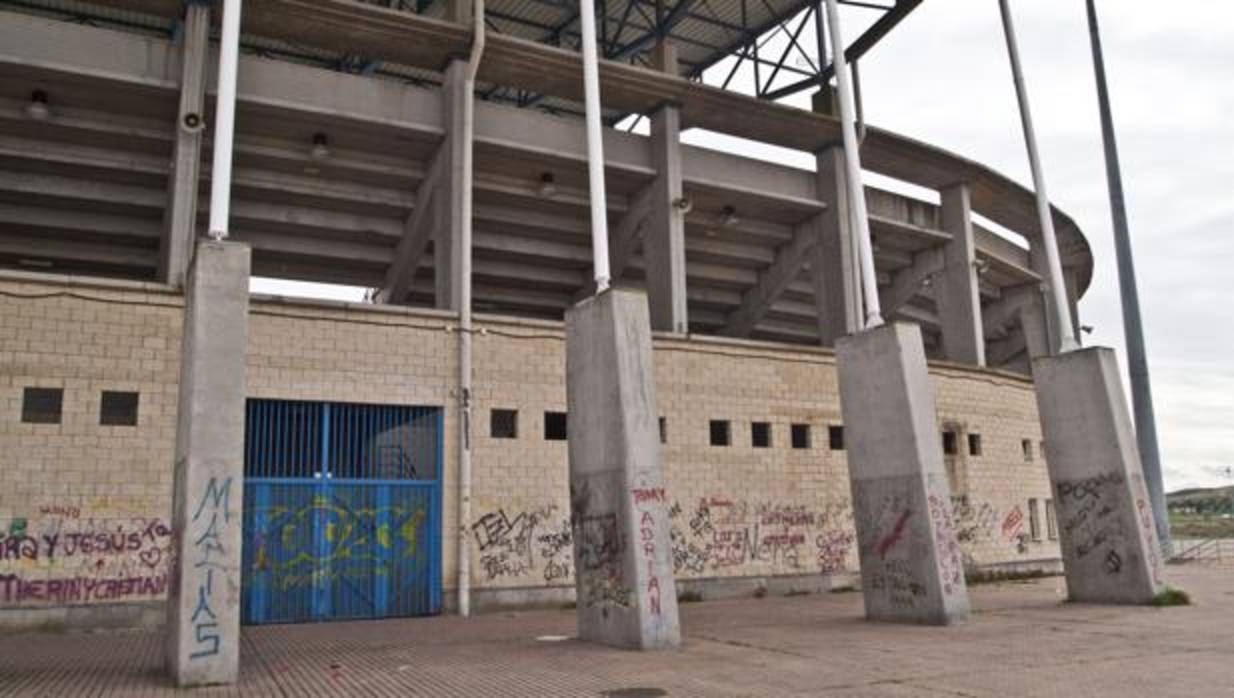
{"points": [[942, 76]]}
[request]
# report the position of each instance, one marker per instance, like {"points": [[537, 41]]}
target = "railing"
{"points": [[1212, 551]]}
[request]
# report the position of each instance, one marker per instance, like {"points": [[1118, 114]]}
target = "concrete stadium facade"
{"points": [[747, 266]]}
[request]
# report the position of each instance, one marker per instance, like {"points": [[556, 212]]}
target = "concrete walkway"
{"points": [[1021, 641]]}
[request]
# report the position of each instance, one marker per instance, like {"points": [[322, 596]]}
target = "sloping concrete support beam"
{"points": [[180, 219], [908, 281], [957, 292], [833, 261], [790, 259], [418, 229]]}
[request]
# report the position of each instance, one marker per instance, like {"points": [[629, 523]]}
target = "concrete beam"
{"points": [[664, 245], [911, 570], [833, 261], [448, 249], [623, 557], [790, 260], [417, 231], [180, 218], [957, 291], [909, 281], [203, 605]]}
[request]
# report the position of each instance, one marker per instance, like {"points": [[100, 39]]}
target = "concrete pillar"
{"points": [[664, 244], [956, 290], [203, 605], [448, 198], [1105, 521], [1071, 283], [911, 569], [833, 261], [1034, 323], [180, 217], [618, 507]]}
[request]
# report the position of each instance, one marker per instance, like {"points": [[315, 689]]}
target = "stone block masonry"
{"points": [[742, 516], [618, 506], [1109, 542], [911, 568]]}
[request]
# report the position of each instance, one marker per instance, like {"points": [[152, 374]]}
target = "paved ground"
{"points": [[1022, 641]]}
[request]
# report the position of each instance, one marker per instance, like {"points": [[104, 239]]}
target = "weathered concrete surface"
{"points": [[618, 508], [1105, 523], [1020, 642], [203, 607], [911, 570]]}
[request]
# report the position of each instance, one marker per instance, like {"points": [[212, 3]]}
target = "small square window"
{"points": [[663, 430], [118, 409], [503, 424], [835, 437], [974, 444], [800, 434], [555, 426], [760, 434], [949, 443], [719, 432], [42, 405], [1051, 524], [1026, 445]]}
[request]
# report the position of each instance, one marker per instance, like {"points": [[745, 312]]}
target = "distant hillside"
{"points": [[1199, 493]]}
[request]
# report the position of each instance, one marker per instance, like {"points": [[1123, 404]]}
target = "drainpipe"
{"points": [[1066, 331], [224, 121], [595, 146], [852, 163], [464, 345]]}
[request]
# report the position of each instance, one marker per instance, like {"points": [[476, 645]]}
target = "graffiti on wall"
{"points": [[64, 558], [1089, 518], [209, 552], [517, 544], [327, 538]]}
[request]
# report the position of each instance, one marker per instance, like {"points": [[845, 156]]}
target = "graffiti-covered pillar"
{"points": [[911, 570], [203, 609], [1105, 520], [618, 508]]}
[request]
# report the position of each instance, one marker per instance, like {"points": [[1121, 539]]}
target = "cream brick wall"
{"points": [[738, 511]]}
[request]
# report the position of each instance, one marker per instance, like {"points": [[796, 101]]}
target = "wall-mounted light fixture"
{"points": [[321, 147], [548, 184], [37, 109]]}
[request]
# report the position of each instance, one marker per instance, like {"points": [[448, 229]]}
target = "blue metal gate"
{"points": [[342, 511]]}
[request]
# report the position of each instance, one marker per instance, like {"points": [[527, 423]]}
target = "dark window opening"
{"points": [[949, 443], [503, 424], [42, 405], [663, 430], [119, 409], [555, 426], [800, 435], [974, 444], [1026, 445], [760, 434], [835, 437], [719, 432]]}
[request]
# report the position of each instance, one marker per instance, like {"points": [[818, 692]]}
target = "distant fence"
{"points": [[1203, 550]]}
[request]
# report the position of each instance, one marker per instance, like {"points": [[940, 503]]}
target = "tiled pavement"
{"points": [[1022, 641]]}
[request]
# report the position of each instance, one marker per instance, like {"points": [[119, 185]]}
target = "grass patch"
{"points": [[689, 597], [1201, 526], [798, 592], [846, 589], [1171, 597]]}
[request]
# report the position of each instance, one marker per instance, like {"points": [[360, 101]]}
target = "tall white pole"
{"points": [[224, 121], [852, 162], [595, 146], [1066, 332]]}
